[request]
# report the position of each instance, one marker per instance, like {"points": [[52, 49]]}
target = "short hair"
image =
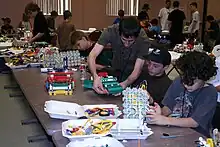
{"points": [[210, 18], [154, 21], [176, 4], [121, 13], [32, 7], [54, 13], [76, 36], [146, 6], [67, 14], [168, 1], [196, 65], [129, 27], [6, 19], [194, 4]]}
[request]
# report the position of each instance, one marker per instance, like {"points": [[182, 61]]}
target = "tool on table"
{"points": [[167, 136]]}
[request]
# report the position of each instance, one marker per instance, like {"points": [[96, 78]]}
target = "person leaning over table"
{"points": [[40, 27], [154, 74], [190, 101], [129, 44], [85, 44]]}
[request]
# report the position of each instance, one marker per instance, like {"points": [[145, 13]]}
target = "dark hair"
{"points": [[76, 36], [168, 1], [176, 4], [210, 18], [194, 4], [32, 7], [196, 65], [25, 17], [146, 7], [6, 19], [121, 13], [129, 27], [54, 13], [154, 21], [67, 14]]}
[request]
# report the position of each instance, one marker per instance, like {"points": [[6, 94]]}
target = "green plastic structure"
{"points": [[110, 84]]}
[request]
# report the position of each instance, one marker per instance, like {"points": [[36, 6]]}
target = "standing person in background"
{"points": [[194, 26], [143, 15], [121, 14], [51, 21], [40, 28], [64, 31], [163, 15], [175, 22]]}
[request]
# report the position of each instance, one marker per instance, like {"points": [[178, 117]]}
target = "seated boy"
{"points": [[85, 44], [190, 100], [7, 28], [154, 74], [155, 28], [121, 14]]}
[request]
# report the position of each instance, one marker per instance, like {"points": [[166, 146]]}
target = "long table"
{"points": [[188, 138], [32, 83]]}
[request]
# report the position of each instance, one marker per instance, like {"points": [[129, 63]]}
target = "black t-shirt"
{"points": [[40, 26], [7, 29], [105, 57], [156, 86], [215, 27], [176, 17], [143, 15]]}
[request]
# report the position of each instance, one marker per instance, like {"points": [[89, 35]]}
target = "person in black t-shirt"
{"points": [[40, 28], [175, 20], [212, 34], [143, 15], [85, 44], [154, 75]]}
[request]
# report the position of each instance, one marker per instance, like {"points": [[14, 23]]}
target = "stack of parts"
{"points": [[60, 83], [135, 103]]}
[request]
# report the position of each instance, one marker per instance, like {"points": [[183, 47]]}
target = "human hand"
{"points": [[123, 85], [98, 86], [157, 119], [156, 108]]}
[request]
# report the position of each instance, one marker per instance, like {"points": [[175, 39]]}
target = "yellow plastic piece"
{"points": [[60, 92], [210, 142]]}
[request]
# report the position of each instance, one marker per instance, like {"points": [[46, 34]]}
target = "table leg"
{"points": [[11, 87], [29, 121], [36, 138]]}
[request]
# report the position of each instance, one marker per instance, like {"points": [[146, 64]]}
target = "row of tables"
{"points": [[32, 82]]}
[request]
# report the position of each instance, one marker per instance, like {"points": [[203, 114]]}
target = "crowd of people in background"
{"points": [[131, 62]]}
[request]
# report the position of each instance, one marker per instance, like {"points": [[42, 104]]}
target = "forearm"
{"points": [[134, 75], [181, 122], [92, 64], [39, 35]]}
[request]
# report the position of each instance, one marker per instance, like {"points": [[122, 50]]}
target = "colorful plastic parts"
{"points": [[60, 83], [110, 84]]}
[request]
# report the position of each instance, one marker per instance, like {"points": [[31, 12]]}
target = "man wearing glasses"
{"points": [[129, 46]]}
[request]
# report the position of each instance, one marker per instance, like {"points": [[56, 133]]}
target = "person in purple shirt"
{"points": [[190, 101]]}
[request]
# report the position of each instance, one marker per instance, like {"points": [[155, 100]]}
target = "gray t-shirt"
{"points": [[199, 105], [124, 58]]}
